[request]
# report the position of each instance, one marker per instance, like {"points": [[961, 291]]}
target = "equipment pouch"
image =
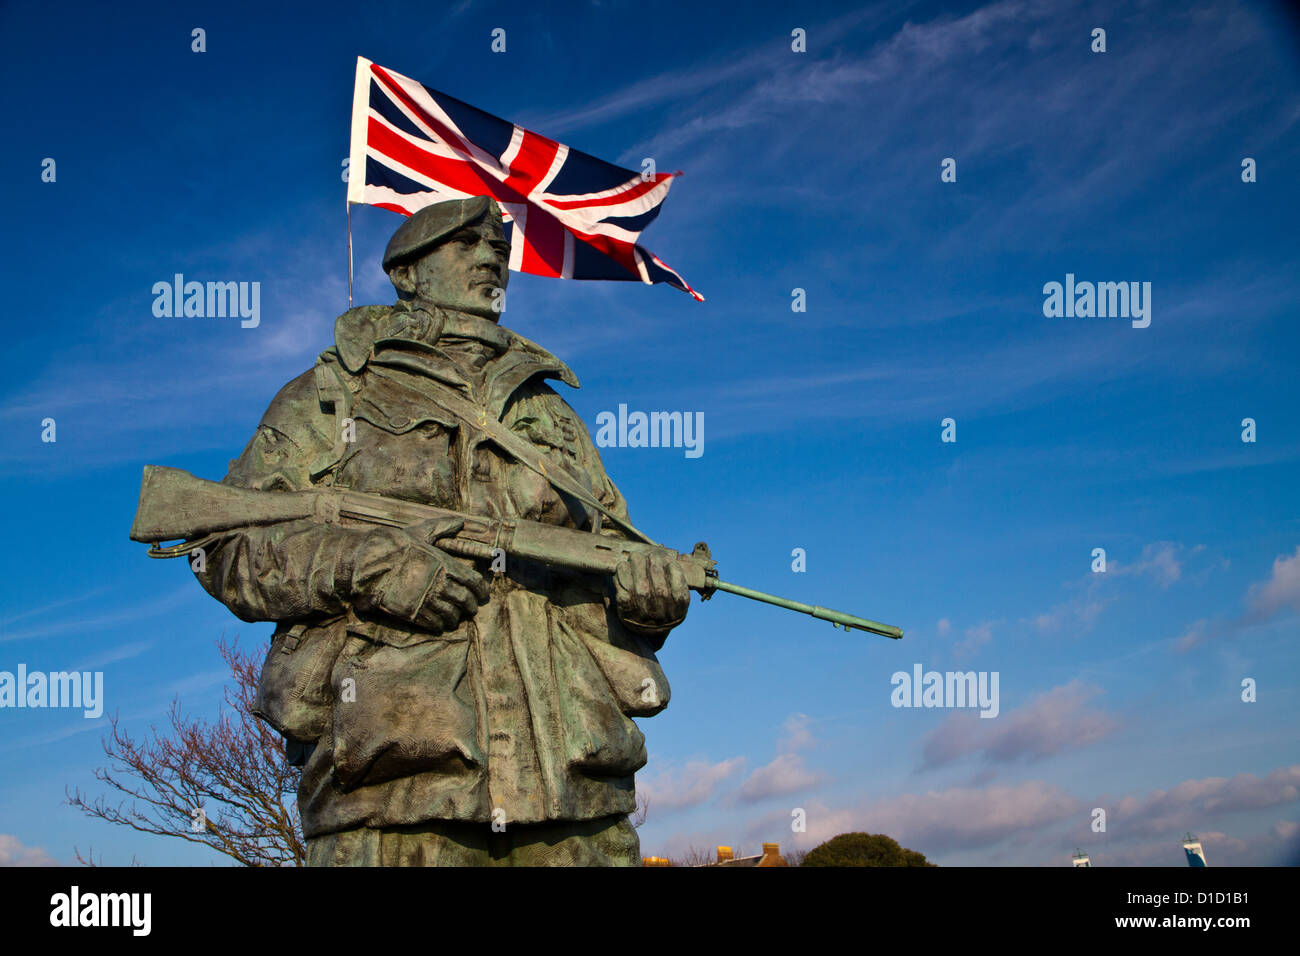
{"points": [[294, 694]]}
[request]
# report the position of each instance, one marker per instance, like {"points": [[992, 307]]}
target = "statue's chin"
{"points": [[482, 307]]}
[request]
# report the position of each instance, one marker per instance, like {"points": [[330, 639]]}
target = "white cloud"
{"points": [[693, 784], [1198, 633], [1264, 601], [13, 852], [798, 734], [1050, 723], [785, 775], [1286, 829], [976, 637], [1040, 821], [1281, 590], [1181, 807], [1159, 560], [1075, 616], [936, 821]]}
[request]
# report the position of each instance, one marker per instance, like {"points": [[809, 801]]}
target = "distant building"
{"points": [[1080, 858], [771, 856], [1195, 853]]}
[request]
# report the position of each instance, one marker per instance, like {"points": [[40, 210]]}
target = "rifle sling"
{"points": [[524, 452]]}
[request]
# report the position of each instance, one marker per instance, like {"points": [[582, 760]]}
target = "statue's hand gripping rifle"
{"points": [[176, 505]]}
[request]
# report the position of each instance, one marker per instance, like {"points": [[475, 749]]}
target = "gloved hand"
{"points": [[401, 573], [650, 594]]}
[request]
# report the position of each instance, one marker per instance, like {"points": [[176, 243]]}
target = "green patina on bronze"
{"points": [[448, 710], [424, 693]]}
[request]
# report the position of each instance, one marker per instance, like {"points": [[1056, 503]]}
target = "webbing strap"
{"points": [[525, 452]]}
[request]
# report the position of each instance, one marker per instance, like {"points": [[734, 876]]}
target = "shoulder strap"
{"points": [[332, 389], [525, 452]]}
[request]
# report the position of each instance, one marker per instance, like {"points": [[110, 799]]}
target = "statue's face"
{"points": [[462, 273]]}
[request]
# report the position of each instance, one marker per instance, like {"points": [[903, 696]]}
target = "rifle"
{"points": [[176, 505]]}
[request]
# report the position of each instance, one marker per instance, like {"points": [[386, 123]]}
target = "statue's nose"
{"points": [[491, 260]]}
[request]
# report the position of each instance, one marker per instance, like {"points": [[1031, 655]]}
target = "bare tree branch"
{"points": [[642, 809], [224, 785]]}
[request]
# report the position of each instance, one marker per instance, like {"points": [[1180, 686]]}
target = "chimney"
{"points": [[772, 855], [724, 854]]}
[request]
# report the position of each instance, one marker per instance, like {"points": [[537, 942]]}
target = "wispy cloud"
{"points": [[158, 394], [684, 85], [121, 615], [45, 609], [788, 772], [938, 821], [1036, 822], [1264, 601], [975, 638], [1280, 592], [1181, 807], [1161, 561], [697, 782], [1051, 723], [781, 84], [114, 655]]}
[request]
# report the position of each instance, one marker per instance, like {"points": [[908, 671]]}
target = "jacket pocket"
{"points": [[403, 711], [294, 694], [599, 738], [629, 666]]}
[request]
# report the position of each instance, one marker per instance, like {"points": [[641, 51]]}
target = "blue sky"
{"points": [[817, 170]]}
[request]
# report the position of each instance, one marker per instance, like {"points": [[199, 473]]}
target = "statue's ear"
{"points": [[400, 276]]}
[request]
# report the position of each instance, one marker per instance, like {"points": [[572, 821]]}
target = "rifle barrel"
{"points": [[823, 613]]}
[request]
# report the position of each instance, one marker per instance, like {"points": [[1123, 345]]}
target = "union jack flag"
{"points": [[566, 214]]}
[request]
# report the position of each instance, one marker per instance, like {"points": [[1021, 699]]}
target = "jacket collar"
{"points": [[405, 336]]}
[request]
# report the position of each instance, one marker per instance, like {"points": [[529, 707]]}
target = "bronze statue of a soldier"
{"points": [[447, 711]]}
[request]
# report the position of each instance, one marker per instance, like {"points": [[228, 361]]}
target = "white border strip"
{"points": [[357, 146]]}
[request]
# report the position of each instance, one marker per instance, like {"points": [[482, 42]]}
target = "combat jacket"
{"points": [[524, 709]]}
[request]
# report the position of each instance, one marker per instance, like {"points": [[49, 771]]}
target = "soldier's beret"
{"points": [[436, 222]]}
